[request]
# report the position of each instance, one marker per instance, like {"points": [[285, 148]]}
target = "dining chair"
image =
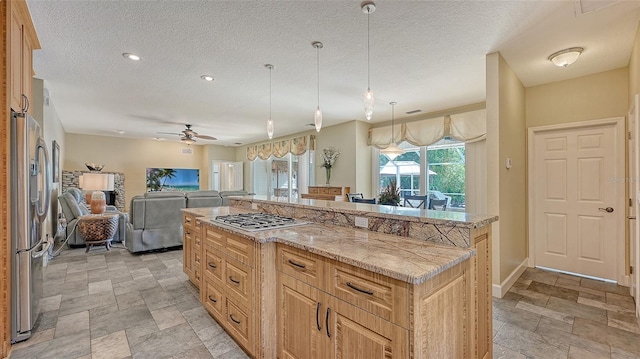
{"points": [[364, 200], [438, 204], [410, 201], [351, 196]]}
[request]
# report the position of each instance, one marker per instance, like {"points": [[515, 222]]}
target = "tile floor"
{"points": [[119, 305]]}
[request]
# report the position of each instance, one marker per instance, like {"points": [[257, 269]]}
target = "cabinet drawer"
{"points": [[323, 190], [335, 190], [213, 237], [301, 265], [188, 220], [240, 249], [314, 190], [214, 301], [238, 282], [375, 293], [214, 265], [238, 324]]}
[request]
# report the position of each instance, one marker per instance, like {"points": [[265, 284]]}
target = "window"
{"points": [[437, 170], [282, 177]]}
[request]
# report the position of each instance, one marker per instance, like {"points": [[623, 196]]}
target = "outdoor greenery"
{"points": [[157, 177], [448, 165]]}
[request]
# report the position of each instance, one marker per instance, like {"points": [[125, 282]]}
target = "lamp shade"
{"points": [[97, 181], [392, 151]]}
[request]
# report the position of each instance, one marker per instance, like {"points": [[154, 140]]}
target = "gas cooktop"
{"points": [[257, 221]]}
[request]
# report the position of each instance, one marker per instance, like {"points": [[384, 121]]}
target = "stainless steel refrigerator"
{"points": [[30, 196]]}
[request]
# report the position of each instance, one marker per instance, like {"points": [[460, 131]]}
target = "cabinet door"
{"points": [[356, 334], [27, 71], [15, 60], [187, 254], [301, 331]]}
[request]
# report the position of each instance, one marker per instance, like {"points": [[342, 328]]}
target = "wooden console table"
{"points": [[327, 193]]}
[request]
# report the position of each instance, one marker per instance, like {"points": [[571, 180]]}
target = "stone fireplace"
{"points": [[70, 179]]}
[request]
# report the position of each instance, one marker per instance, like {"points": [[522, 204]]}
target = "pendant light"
{"points": [[317, 118], [368, 7], [269, 121], [393, 150]]}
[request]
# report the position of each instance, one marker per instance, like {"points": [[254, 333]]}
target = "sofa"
{"points": [[225, 194], [73, 206], [155, 218]]}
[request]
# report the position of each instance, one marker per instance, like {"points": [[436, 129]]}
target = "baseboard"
{"points": [[499, 290]]}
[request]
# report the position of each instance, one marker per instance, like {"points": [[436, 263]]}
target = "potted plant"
{"points": [[390, 195]]}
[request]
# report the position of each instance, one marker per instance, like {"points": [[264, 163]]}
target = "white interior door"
{"points": [[577, 203]]}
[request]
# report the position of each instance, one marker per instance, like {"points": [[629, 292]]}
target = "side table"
{"points": [[98, 229]]}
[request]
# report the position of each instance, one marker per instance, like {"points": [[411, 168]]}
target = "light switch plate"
{"points": [[254, 206], [362, 222]]}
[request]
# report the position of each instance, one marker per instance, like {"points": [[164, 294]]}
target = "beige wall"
{"points": [[364, 161], [596, 96], [634, 68], [506, 188], [133, 157]]}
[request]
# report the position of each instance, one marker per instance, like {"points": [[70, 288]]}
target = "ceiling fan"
{"points": [[189, 136]]}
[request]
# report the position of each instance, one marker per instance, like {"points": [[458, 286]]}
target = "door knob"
{"points": [[608, 209]]}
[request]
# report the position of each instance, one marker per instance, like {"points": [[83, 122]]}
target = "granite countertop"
{"points": [[409, 260], [459, 219]]}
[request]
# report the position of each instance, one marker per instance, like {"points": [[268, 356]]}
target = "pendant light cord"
{"points": [[271, 68], [318, 48], [368, 56], [393, 117]]}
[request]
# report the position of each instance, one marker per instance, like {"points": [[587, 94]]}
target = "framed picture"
{"points": [[173, 179], [55, 162]]}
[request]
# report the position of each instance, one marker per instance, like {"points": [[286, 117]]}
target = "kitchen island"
{"points": [[315, 290]]}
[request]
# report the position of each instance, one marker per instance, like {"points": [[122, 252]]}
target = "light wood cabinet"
{"points": [[355, 313], [192, 253], [22, 41], [327, 193]]}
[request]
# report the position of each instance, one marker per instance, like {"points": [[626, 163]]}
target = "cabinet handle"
{"points": [[358, 289], [326, 322], [187, 233], [317, 318], [234, 319], [233, 280], [213, 300], [212, 265], [297, 264]]}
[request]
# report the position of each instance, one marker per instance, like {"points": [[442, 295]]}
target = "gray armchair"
{"points": [[73, 206], [200, 199], [155, 221]]}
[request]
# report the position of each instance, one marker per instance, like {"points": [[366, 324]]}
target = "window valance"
{"points": [[468, 127], [295, 146]]}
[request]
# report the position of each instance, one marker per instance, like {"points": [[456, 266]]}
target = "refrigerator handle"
{"points": [[45, 249], [47, 185]]}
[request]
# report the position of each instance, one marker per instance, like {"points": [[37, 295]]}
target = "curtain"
{"points": [[468, 127], [295, 146]]}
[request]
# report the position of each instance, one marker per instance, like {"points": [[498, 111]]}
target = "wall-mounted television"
{"points": [[173, 179]]}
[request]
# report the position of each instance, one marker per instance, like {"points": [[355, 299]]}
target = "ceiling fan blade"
{"points": [[205, 137], [169, 133]]}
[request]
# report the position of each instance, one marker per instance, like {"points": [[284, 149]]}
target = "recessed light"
{"points": [[130, 56], [120, 132], [237, 143], [158, 139], [207, 77]]}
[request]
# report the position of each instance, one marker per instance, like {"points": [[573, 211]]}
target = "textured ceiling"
{"points": [[427, 55]]}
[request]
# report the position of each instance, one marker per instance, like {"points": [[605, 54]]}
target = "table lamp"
{"points": [[93, 184]]}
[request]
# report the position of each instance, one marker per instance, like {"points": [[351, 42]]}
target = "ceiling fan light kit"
{"points": [[566, 57]]}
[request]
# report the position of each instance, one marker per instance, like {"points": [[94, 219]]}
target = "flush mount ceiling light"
{"points": [[130, 56], [207, 77], [270, 121], [393, 150], [317, 118], [368, 7], [566, 57]]}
